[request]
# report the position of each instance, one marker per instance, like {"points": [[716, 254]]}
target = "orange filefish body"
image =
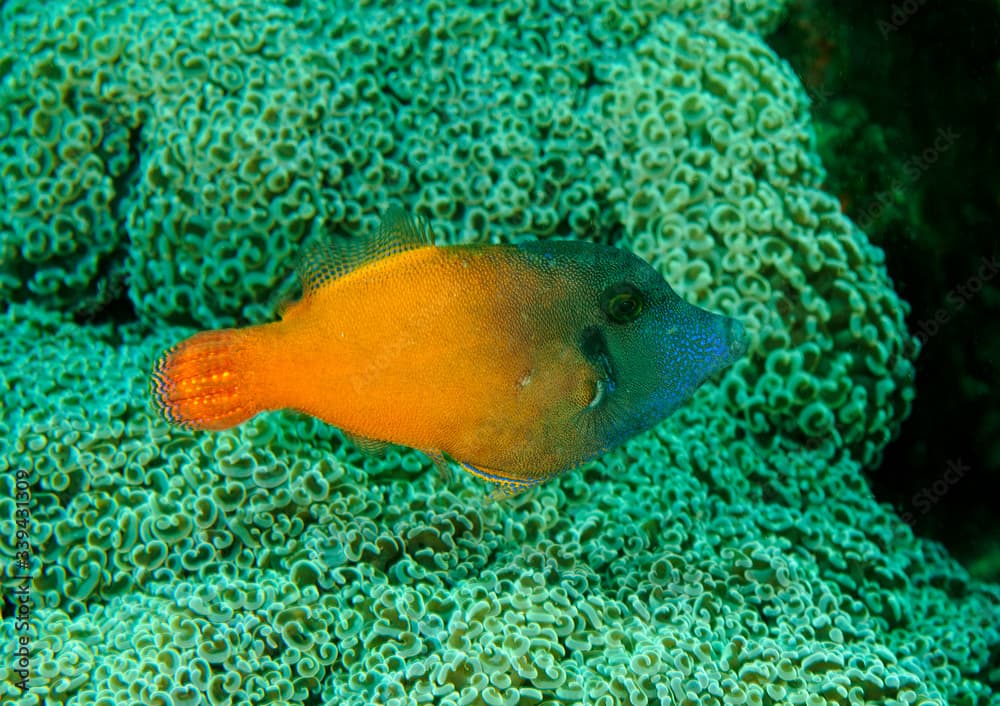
{"points": [[516, 361]]}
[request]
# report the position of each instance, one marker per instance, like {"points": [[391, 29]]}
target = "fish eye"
{"points": [[622, 302]]}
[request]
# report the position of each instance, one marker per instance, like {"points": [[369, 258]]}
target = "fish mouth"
{"points": [[730, 342], [739, 339], [594, 346], [733, 343]]}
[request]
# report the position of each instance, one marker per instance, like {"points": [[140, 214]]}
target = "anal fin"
{"points": [[504, 486]]}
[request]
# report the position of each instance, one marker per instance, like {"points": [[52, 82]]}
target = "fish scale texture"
{"points": [[180, 154]]}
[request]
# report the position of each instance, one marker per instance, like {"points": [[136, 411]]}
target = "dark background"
{"points": [[886, 84]]}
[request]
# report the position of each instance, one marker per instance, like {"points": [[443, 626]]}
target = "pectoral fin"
{"points": [[441, 463]]}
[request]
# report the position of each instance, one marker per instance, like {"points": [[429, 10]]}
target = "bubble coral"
{"points": [[733, 555]]}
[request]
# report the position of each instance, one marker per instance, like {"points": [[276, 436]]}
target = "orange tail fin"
{"points": [[207, 381]]}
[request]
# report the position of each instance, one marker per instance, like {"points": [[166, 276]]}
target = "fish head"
{"points": [[649, 348]]}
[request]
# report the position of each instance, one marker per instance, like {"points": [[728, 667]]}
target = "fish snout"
{"points": [[731, 342]]}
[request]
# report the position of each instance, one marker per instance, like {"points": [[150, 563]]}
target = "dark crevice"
{"points": [[887, 79], [112, 303]]}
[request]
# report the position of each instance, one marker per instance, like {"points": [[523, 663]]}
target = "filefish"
{"points": [[517, 362]]}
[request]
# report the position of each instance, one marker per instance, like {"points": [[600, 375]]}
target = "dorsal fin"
{"points": [[326, 261]]}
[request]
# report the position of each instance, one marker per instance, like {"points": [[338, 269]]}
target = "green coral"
{"points": [[258, 126], [732, 555], [274, 563], [66, 154], [238, 129]]}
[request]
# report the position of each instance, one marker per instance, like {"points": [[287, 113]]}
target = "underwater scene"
{"points": [[498, 354]]}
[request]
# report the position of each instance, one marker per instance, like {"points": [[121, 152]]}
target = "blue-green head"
{"points": [[649, 347]]}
